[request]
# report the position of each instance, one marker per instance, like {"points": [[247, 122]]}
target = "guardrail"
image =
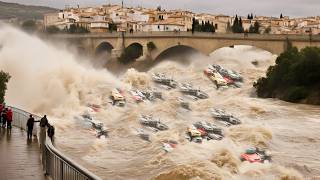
{"points": [[55, 164]]}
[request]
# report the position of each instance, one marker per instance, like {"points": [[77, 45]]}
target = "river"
{"points": [[48, 79]]}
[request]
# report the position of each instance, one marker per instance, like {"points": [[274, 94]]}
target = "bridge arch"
{"points": [[104, 47], [176, 50], [134, 50], [260, 45]]}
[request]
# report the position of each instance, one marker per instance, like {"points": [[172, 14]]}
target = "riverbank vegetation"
{"points": [[295, 77], [4, 79]]}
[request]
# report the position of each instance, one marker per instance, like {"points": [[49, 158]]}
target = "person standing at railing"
{"points": [[50, 131], [9, 118], [4, 117], [43, 125], [30, 124]]}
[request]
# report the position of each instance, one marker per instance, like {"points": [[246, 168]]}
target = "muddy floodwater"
{"points": [[58, 83]]}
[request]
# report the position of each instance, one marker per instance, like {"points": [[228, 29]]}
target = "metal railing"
{"points": [[55, 164]]}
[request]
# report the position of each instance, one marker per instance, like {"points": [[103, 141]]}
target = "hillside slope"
{"points": [[23, 12]]}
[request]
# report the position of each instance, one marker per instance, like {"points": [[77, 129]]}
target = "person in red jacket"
{"points": [[9, 118]]}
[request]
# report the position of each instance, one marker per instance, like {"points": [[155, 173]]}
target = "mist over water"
{"points": [[50, 80]]}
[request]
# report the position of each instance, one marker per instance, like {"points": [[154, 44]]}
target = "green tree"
{"points": [[281, 16], [112, 27], [294, 77], [267, 30], [52, 29], [29, 25], [4, 79], [151, 46], [256, 27], [237, 26], [76, 28], [229, 28]]}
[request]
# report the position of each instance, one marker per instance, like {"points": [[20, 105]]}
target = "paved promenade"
{"points": [[19, 157]]}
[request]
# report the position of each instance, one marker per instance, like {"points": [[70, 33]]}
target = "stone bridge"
{"points": [[205, 43]]}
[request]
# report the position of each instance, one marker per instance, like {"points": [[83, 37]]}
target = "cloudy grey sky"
{"points": [[229, 7]]}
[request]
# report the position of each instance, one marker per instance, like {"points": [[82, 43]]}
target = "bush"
{"points": [[52, 29], [151, 46], [29, 25], [296, 94], [4, 79], [294, 75]]}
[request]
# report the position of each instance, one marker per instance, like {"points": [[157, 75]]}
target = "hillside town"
{"points": [[110, 17]]}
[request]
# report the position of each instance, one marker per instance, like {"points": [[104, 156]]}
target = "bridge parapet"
{"points": [[203, 42]]}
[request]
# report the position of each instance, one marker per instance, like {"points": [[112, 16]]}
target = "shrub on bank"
{"points": [[293, 77]]}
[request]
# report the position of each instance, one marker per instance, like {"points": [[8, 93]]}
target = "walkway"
{"points": [[19, 157]]}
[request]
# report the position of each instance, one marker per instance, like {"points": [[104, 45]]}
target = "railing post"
{"points": [[61, 169]]}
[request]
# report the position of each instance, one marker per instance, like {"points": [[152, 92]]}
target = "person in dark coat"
{"points": [[44, 121], [30, 124], [4, 117], [43, 124], [50, 131]]}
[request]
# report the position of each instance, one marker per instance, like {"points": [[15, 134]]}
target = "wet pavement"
{"points": [[19, 157]]}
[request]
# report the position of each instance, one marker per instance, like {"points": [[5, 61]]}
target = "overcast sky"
{"points": [[228, 7]]}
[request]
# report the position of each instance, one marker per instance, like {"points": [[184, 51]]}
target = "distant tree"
{"points": [[205, 26], [4, 79], [52, 29], [256, 27], [112, 27], [241, 30], [158, 8], [251, 29], [248, 17], [267, 30], [281, 16], [29, 25], [235, 25], [193, 25], [76, 28], [251, 16], [229, 28], [151, 46]]}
